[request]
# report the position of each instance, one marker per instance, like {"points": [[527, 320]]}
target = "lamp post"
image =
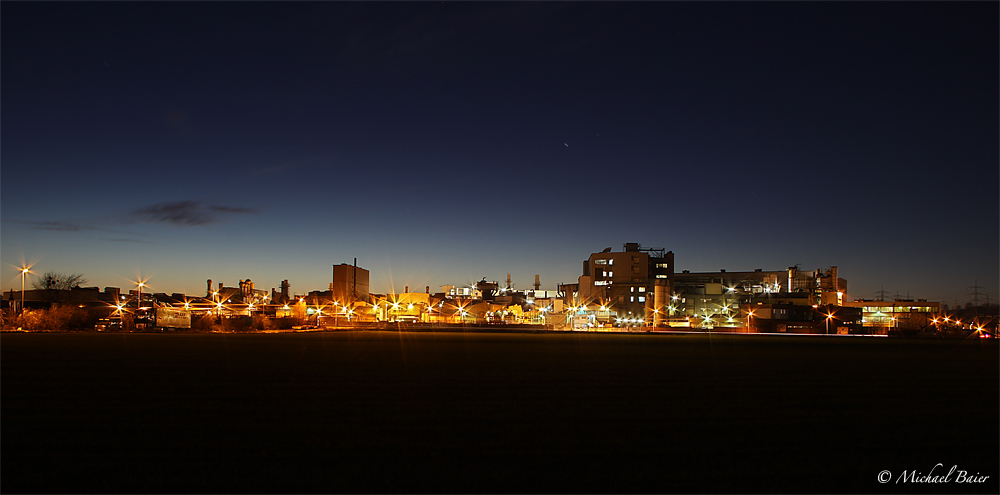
{"points": [[138, 303], [24, 273]]}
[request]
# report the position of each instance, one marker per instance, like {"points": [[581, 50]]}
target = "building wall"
{"points": [[343, 285], [882, 316], [625, 280]]}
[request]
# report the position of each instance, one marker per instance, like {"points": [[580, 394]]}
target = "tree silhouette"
{"points": [[53, 283], [58, 281]]}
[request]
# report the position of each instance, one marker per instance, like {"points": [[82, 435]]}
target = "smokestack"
{"points": [[427, 289], [406, 289], [209, 291], [508, 280], [537, 283]]}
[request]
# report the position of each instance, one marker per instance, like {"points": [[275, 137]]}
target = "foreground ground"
{"points": [[447, 412]]}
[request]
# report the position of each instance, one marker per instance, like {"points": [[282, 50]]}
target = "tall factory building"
{"points": [[350, 283], [627, 281]]}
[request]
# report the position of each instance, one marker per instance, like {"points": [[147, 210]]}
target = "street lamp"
{"points": [[138, 304], [140, 285], [749, 314], [24, 272]]}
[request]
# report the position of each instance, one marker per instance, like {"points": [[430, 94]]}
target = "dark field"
{"points": [[454, 412]]}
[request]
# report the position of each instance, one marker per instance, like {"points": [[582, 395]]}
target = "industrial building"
{"points": [[640, 286], [627, 281], [350, 282], [883, 317]]}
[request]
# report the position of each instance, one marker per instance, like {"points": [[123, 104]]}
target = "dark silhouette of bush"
{"points": [[205, 323], [212, 323], [59, 319]]}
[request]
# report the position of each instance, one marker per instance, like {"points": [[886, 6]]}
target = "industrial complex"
{"points": [[634, 289]]}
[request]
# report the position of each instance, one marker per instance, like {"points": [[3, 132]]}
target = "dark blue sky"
{"points": [[440, 143]]}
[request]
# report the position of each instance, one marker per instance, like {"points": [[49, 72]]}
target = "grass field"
{"points": [[487, 412]]}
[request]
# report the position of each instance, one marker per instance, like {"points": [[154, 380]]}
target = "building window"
{"points": [[663, 265], [642, 289], [631, 299], [642, 298], [661, 276], [600, 262]]}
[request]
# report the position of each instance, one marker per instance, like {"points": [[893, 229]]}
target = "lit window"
{"points": [[642, 289], [611, 274], [642, 298], [631, 299], [601, 262], [661, 276]]}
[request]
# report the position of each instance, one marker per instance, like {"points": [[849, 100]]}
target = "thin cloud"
{"points": [[232, 209], [183, 213], [56, 225], [125, 240]]}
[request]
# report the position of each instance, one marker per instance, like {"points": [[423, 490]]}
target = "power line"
{"points": [[882, 293], [975, 293], [975, 296]]}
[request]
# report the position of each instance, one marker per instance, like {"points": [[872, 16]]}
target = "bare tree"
{"points": [[58, 281], [54, 283]]}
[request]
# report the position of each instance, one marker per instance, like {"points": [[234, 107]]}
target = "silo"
{"points": [[659, 304]]}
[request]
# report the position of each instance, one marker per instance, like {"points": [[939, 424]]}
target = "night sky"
{"points": [[440, 143]]}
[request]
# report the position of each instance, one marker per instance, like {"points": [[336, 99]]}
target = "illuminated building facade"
{"points": [[719, 295], [626, 281], [882, 317]]}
